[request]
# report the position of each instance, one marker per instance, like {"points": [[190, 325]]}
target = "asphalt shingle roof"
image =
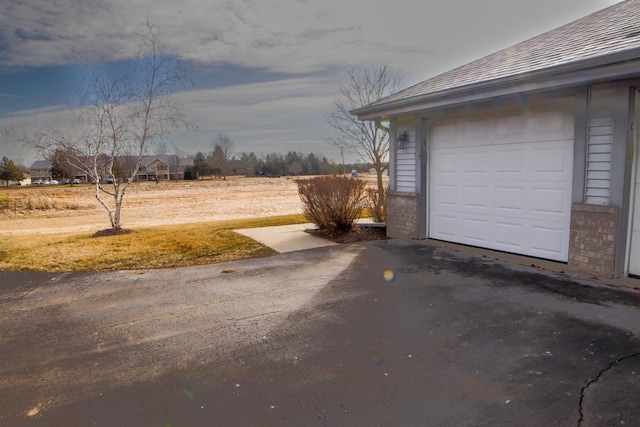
{"points": [[41, 164], [611, 30], [168, 159]]}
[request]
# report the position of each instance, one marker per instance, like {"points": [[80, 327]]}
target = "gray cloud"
{"points": [[420, 38], [282, 35]]}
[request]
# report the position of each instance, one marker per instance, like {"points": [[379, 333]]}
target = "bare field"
{"points": [[72, 209]]}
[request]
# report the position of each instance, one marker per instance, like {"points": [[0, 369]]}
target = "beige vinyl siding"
{"points": [[599, 146], [406, 164]]}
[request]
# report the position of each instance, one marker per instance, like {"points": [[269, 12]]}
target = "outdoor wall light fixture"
{"points": [[401, 139]]}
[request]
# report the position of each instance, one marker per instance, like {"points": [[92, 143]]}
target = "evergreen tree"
{"points": [[9, 171], [200, 166], [118, 171]]}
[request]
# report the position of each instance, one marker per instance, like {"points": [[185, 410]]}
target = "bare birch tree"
{"points": [[175, 161], [369, 140], [222, 152], [122, 118]]}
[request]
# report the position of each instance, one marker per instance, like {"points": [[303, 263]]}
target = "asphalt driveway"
{"points": [[386, 333]]}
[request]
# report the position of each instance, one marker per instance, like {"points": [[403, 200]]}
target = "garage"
{"points": [[501, 179]]}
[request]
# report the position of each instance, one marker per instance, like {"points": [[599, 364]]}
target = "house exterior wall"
{"points": [[404, 209], [607, 170], [43, 174], [592, 248], [601, 187], [405, 171], [599, 144], [402, 215]]}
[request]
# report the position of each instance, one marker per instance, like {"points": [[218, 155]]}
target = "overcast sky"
{"points": [[266, 71]]}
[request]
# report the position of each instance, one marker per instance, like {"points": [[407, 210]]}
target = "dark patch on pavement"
{"points": [[17, 284], [498, 273]]}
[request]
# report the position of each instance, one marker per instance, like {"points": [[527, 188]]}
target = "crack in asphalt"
{"points": [[268, 313], [596, 379], [17, 297]]}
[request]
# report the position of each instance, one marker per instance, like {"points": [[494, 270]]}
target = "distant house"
{"points": [[153, 168], [532, 150], [163, 167], [40, 170]]}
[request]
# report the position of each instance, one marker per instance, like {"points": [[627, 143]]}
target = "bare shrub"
{"points": [[32, 203], [376, 205], [332, 203], [5, 203]]}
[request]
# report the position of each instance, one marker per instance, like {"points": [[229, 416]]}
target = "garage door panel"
{"points": [[476, 198], [445, 162], [552, 163], [549, 160], [509, 200], [548, 121], [444, 131], [475, 129], [540, 239], [475, 163], [445, 226], [548, 241], [504, 182], [475, 231], [509, 163], [509, 125], [509, 236], [549, 203], [445, 196]]}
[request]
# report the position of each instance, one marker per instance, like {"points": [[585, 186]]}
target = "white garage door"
{"points": [[634, 254], [502, 180]]}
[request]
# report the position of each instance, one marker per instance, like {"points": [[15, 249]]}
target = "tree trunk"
{"points": [[381, 202], [118, 198], [116, 217]]}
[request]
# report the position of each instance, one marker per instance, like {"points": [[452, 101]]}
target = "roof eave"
{"points": [[612, 66]]}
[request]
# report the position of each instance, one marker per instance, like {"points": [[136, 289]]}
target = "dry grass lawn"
{"points": [[180, 223], [148, 247], [175, 224], [64, 208]]}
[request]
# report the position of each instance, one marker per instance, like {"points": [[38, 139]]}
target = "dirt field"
{"points": [[67, 208]]}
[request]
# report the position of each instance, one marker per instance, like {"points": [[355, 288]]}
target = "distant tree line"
{"points": [[275, 164]]}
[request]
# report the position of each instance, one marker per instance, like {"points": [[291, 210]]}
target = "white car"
{"points": [[54, 182]]}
